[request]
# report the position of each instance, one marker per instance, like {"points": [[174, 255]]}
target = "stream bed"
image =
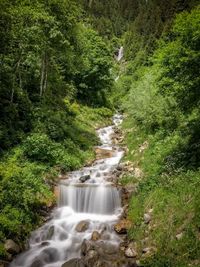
{"points": [[88, 204]]}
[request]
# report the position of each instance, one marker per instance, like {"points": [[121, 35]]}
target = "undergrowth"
{"points": [[29, 170]]}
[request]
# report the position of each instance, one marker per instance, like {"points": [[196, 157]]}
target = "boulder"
{"points": [[11, 247], [130, 253], [91, 258], [82, 226], [122, 226], [95, 236], [84, 178], [86, 246], [49, 255]]}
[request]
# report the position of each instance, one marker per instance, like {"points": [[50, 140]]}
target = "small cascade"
{"points": [[86, 196], [120, 53], [96, 199]]}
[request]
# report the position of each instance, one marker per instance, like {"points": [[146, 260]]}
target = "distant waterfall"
{"points": [[120, 53]]}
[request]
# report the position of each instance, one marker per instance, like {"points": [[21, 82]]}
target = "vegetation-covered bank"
{"points": [[29, 171], [162, 103], [55, 78]]}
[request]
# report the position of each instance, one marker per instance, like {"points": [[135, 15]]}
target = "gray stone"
{"points": [[84, 178], [36, 263]]}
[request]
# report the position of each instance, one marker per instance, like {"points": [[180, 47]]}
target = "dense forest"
{"points": [[57, 86]]}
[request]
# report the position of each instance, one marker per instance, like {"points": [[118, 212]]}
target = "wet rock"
{"points": [[50, 232], [103, 153], [122, 226], [130, 253], [91, 258], [95, 236], [63, 236], [84, 178], [109, 249], [11, 247], [74, 263], [147, 218], [49, 255], [37, 263], [86, 246], [82, 226], [44, 244]]}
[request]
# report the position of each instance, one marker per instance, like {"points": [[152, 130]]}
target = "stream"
{"points": [[88, 202]]}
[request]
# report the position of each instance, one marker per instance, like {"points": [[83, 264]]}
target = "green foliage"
{"points": [[163, 111]]}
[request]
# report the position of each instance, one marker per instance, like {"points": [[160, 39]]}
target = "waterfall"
{"points": [[120, 53], [100, 199], [94, 200]]}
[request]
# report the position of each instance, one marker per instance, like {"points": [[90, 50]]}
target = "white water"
{"points": [[120, 53], [96, 201]]}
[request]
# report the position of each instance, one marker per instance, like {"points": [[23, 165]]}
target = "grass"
{"points": [[173, 194]]}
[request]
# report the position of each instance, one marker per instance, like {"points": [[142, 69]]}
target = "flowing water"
{"points": [[86, 196], [120, 53]]}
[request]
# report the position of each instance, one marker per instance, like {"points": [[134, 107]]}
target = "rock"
{"points": [[84, 178], [50, 232], [122, 226], [92, 254], [74, 263], [45, 243], [11, 247], [179, 236], [103, 153], [82, 226], [91, 258], [130, 253], [147, 218], [49, 255], [137, 172], [146, 250], [95, 236], [37, 263]]}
